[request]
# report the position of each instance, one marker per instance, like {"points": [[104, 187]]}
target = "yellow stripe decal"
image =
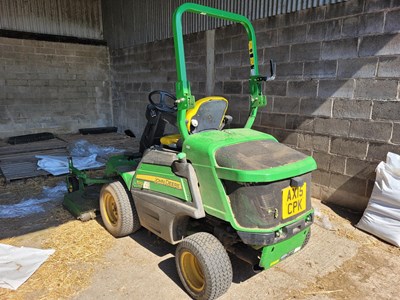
{"points": [[159, 180], [274, 262], [251, 54]]}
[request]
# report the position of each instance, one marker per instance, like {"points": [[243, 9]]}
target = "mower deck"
{"points": [[83, 205]]}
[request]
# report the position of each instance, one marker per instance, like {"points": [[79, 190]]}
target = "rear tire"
{"points": [[203, 266], [117, 209]]}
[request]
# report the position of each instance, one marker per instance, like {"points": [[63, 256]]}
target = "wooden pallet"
{"points": [[19, 161], [32, 147], [117, 140], [20, 170]]}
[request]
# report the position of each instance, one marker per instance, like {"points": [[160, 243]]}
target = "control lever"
{"points": [[272, 65]]}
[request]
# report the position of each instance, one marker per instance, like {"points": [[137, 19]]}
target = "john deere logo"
{"points": [[159, 180]]}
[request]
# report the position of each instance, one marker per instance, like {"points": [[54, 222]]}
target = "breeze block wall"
{"points": [[138, 70], [335, 97], [55, 87], [336, 94]]}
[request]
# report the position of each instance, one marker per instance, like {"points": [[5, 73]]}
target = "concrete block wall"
{"points": [[138, 70], [55, 87], [336, 95]]}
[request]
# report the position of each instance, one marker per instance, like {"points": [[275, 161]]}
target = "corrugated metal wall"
{"points": [[133, 22], [77, 18]]}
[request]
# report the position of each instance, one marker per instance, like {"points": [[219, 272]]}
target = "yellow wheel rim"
{"points": [[192, 272], [110, 207]]}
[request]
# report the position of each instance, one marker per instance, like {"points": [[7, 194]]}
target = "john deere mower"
{"points": [[209, 189]]}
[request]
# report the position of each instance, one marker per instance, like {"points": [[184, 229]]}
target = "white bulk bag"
{"points": [[382, 215]]}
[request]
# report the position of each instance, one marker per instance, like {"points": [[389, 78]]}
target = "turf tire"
{"points": [[118, 210], [213, 262]]}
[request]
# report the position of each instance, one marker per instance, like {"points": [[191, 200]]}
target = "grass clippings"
{"points": [[80, 248]]}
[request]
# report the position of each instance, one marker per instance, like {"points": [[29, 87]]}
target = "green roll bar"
{"points": [[183, 93]]}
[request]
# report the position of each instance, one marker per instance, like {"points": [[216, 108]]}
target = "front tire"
{"points": [[117, 210], [203, 266]]}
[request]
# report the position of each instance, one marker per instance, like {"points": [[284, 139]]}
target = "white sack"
{"points": [[382, 215], [18, 264], [58, 165]]}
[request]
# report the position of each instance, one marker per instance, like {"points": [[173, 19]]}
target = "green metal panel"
{"points": [[270, 175], [200, 149], [118, 164], [273, 254], [161, 179], [128, 178]]}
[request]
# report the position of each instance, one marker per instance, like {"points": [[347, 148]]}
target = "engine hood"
{"points": [[247, 155]]}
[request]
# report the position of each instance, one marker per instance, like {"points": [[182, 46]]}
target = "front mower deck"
{"points": [[83, 205]]}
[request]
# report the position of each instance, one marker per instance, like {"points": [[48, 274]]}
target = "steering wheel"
{"points": [[162, 105]]}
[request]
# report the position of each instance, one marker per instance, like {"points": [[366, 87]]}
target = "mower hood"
{"points": [[247, 155], [261, 161]]}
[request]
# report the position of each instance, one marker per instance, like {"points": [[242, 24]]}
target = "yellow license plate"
{"points": [[293, 200]]}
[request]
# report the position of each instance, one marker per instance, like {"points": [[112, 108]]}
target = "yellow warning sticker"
{"points": [[251, 47]]}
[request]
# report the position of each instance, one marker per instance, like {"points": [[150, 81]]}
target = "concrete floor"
{"points": [[340, 262]]}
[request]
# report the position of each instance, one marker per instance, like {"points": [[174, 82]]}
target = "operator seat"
{"points": [[207, 114]]}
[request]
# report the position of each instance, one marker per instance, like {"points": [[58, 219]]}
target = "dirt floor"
{"points": [[340, 262]]}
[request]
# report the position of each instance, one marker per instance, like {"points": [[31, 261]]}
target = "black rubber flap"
{"points": [[98, 130], [29, 138], [257, 155]]}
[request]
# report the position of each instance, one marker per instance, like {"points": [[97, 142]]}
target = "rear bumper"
{"points": [[282, 234], [273, 254]]}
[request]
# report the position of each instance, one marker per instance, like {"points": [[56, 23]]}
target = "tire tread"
{"points": [[129, 219], [208, 249]]}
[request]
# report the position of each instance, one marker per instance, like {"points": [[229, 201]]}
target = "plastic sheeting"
{"points": [[382, 215], [84, 156], [33, 205], [322, 220], [83, 148], [18, 264], [58, 165]]}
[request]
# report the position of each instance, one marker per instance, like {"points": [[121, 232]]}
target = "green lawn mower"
{"points": [[209, 189]]}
